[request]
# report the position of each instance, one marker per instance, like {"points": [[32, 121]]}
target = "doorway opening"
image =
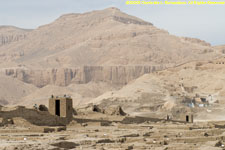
{"points": [[57, 107], [187, 118]]}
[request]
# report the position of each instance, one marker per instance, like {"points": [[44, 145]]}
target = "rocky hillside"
{"points": [[9, 34], [173, 88], [105, 46], [105, 37]]}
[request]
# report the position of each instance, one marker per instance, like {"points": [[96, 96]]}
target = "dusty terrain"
{"points": [[94, 130]]}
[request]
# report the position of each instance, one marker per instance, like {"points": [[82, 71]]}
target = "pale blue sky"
{"points": [[204, 22]]}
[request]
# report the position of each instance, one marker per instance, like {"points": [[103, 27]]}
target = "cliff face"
{"points": [[9, 34], [119, 75], [6, 39]]}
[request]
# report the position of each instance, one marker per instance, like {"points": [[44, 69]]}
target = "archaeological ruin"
{"points": [[61, 106], [189, 118]]}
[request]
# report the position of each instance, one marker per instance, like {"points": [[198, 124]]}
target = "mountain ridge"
{"points": [[106, 46]]}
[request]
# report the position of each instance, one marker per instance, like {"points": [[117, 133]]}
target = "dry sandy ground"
{"points": [[103, 132]]}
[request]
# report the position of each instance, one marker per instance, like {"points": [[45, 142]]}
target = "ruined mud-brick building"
{"points": [[61, 106], [188, 118]]}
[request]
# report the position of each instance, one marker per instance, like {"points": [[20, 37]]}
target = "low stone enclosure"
{"points": [[35, 117]]}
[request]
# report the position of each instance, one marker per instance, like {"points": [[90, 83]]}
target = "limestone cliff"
{"points": [[9, 34], [119, 75]]}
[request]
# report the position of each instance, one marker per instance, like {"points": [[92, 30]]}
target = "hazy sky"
{"points": [[204, 22]]}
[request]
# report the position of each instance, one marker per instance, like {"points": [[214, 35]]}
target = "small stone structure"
{"points": [[189, 118], [61, 106]]}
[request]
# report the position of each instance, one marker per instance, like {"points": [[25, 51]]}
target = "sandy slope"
{"points": [[81, 93], [12, 90]]}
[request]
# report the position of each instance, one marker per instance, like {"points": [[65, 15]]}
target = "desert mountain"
{"points": [[105, 37], [105, 46]]}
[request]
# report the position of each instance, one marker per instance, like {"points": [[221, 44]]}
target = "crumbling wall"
{"points": [[115, 110], [109, 110], [40, 118]]}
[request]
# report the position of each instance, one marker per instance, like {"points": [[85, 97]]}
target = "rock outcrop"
{"points": [[197, 41], [11, 38], [9, 34], [119, 75]]}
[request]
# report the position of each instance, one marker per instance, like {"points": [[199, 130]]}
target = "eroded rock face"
{"points": [[9, 34], [119, 75], [11, 38]]}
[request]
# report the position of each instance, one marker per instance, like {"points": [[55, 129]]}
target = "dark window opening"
{"points": [[57, 107]]}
